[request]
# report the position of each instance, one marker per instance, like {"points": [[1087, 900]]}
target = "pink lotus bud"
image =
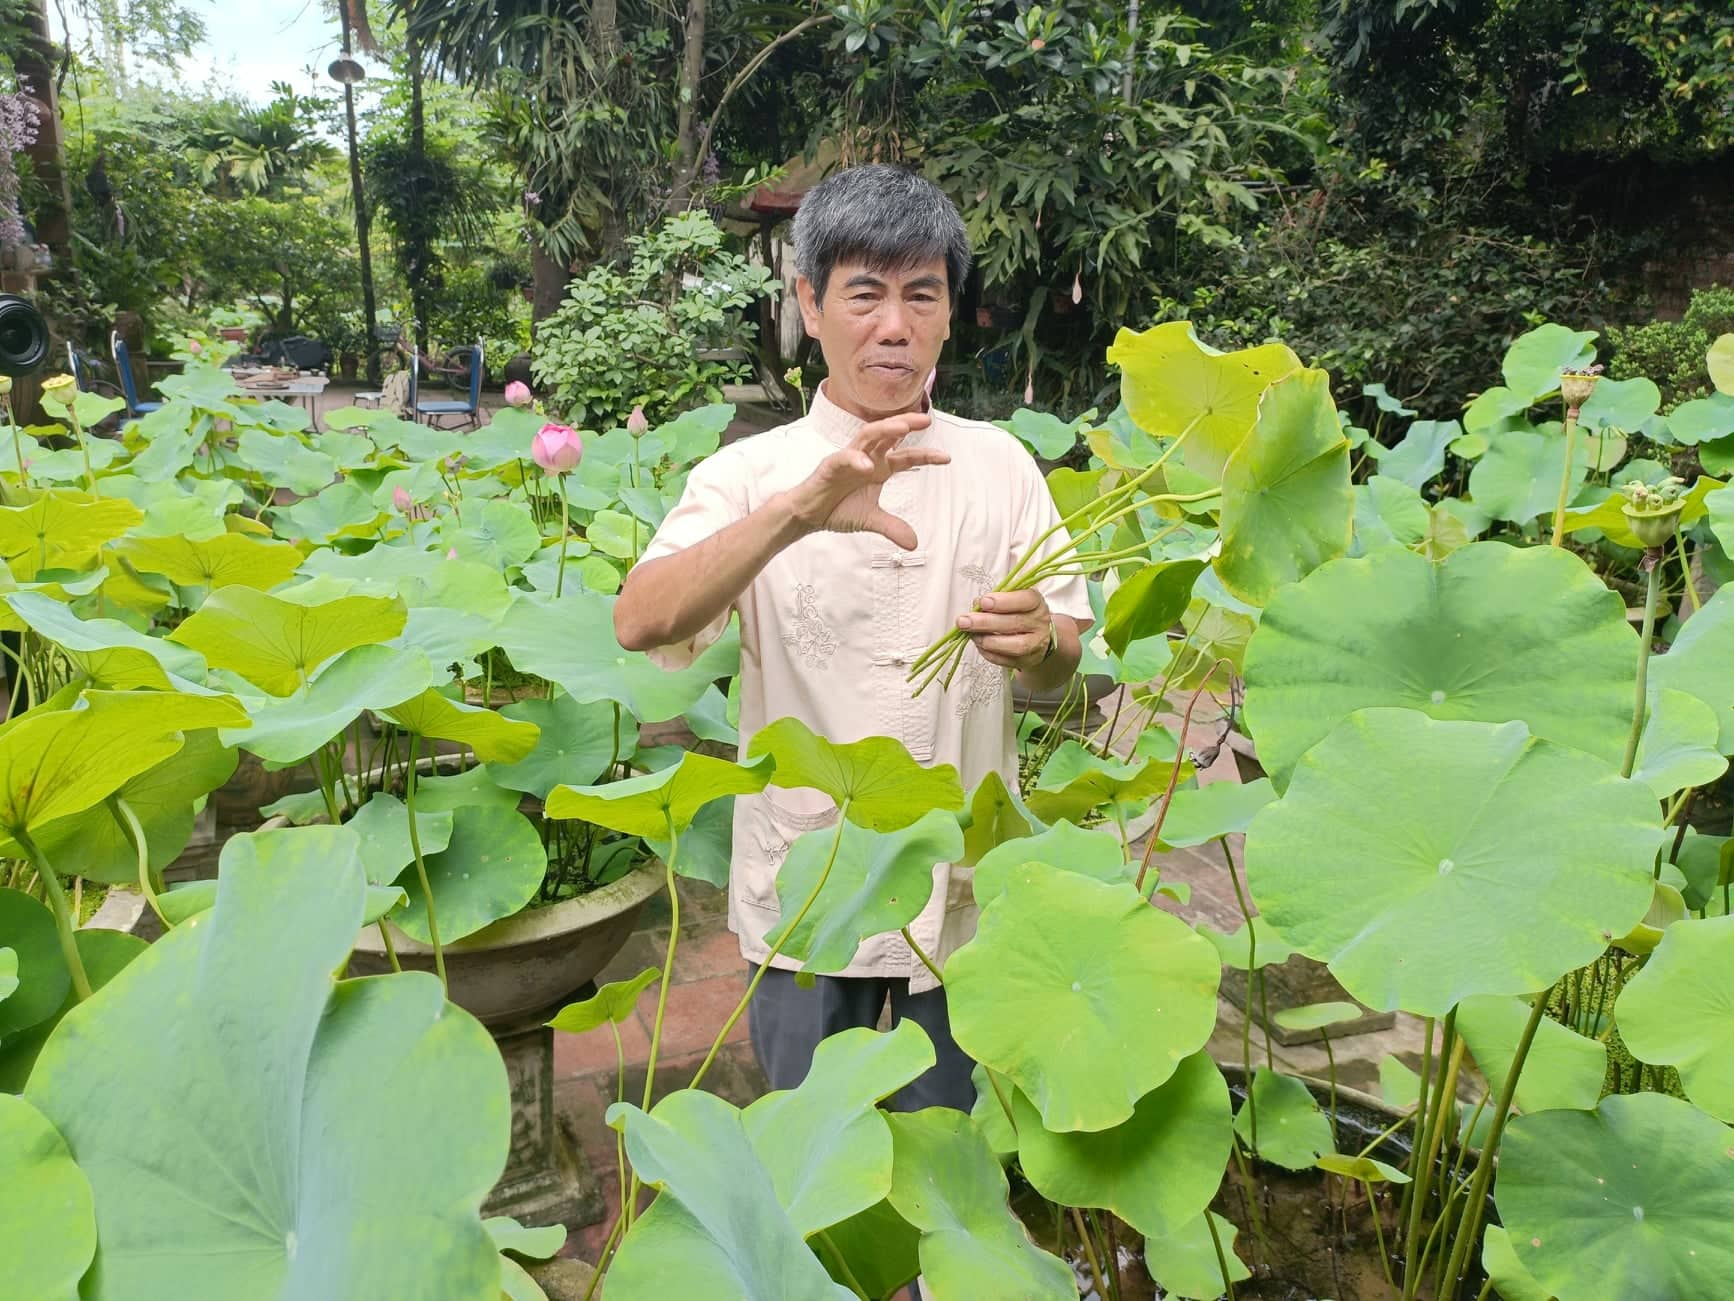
{"points": [[451, 553], [557, 448], [518, 394], [193, 345], [400, 498], [927, 388], [637, 424]]}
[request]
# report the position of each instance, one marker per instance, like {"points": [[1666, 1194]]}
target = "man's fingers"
{"points": [[999, 625], [890, 429], [889, 526], [1007, 652], [908, 458], [1022, 601]]}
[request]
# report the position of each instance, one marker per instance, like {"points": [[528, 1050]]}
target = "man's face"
{"points": [[881, 333]]}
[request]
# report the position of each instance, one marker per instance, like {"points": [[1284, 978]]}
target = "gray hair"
{"points": [[887, 217]]}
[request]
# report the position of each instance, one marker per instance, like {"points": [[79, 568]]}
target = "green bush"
{"points": [[1672, 352], [631, 335]]}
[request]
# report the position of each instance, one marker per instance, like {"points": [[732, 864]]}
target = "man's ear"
{"points": [[809, 305]]}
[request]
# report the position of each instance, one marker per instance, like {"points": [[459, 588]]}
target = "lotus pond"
{"points": [[1484, 664]]}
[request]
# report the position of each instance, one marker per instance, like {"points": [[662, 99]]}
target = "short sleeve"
{"points": [[1067, 594], [714, 497]]}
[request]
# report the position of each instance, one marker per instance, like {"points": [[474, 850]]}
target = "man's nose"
{"points": [[893, 324]]}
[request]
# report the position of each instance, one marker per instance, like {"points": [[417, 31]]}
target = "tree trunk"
{"points": [[33, 63], [421, 298], [686, 161], [549, 278], [362, 223]]}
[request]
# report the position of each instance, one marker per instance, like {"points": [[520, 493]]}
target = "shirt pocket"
{"points": [[776, 819]]}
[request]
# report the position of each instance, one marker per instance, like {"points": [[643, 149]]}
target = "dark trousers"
{"points": [[787, 1023]]}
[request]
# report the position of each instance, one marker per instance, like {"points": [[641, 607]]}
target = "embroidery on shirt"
{"points": [[982, 682], [812, 638]]}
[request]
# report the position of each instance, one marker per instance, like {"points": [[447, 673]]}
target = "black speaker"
{"points": [[24, 344]]}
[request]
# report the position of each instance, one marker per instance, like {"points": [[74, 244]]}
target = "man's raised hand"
{"points": [[842, 494]]}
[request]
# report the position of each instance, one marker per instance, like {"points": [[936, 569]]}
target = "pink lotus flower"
{"points": [[557, 448], [193, 345], [637, 424], [518, 394], [401, 499], [451, 553]]}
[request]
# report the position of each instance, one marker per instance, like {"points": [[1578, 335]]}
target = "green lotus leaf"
{"points": [[878, 1247], [61, 529], [1720, 507], [96, 843], [1317, 1016], [1287, 506], [1086, 1018], [1446, 532], [1563, 1068], [614, 1002], [995, 815], [1156, 1170], [197, 509], [1172, 384], [1678, 746], [47, 1217], [57, 762], [1184, 1263], [1076, 780], [1469, 446], [382, 828], [743, 1189], [1697, 662], [341, 510], [105, 954], [1205, 813], [499, 534], [535, 1244], [695, 434], [1518, 478], [1292, 1132], [706, 847], [187, 899], [1534, 361], [359, 1124], [1420, 456], [1620, 404], [284, 461], [1700, 861], [455, 610], [1667, 906], [1387, 513], [648, 805], [1361, 1168], [878, 882], [1720, 363], [223, 560], [1089, 853], [1511, 1281], [571, 642], [989, 1114], [39, 976], [1494, 411], [573, 747], [1481, 635], [115, 655], [1477, 838], [1251, 946], [1702, 420], [947, 1183], [8, 973], [1043, 433], [885, 788], [278, 644], [1629, 1200], [472, 786], [1150, 602], [490, 868], [1675, 1011], [493, 737], [286, 729]]}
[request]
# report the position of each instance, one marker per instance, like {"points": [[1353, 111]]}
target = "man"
{"points": [[848, 541]]}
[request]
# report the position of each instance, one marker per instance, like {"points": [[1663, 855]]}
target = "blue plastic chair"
{"points": [[471, 410], [128, 390], [79, 365]]}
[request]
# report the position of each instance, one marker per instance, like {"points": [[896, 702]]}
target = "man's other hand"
{"points": [[842, 494], [1010, 629]]}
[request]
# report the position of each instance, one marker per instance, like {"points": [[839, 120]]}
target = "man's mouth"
{"points": [[891, 367]]}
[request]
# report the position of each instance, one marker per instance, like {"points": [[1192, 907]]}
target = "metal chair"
{"points": [[471, 409], [123, 369]]}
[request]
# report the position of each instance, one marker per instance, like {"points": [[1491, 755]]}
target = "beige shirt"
{"points": [[830, 627]]}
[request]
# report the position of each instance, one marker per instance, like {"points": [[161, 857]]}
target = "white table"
{"points": [[304, 389]]}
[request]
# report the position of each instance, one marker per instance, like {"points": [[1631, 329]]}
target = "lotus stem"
{"points": [[433, 926], [1251, 975], [1439, 1108], [753, 984], [390, 947], [17, 447], [602, 1259], [1089, 1253], [129, 819], [1471, 1224], [1565, 477], [1221, 1255], [1686, 573], [619, 1096], [560, 573], [83, 447], [917, 950], [1423, 1117], [1173, 776], [63, 919], [1652, 564], [667, 962], [1004, 1102], [837, 1258]]}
